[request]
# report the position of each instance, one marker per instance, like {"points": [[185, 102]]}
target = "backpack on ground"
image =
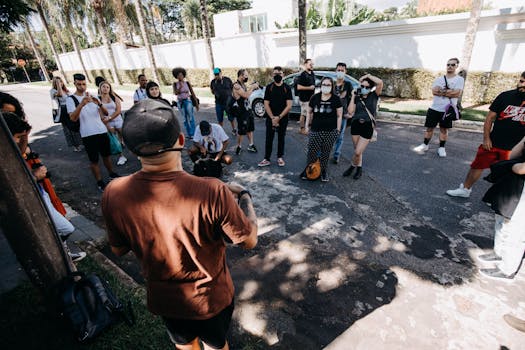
{"points": [[71, 125], [207, 167], [90, 306]]}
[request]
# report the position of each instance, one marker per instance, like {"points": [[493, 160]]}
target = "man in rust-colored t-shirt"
{"points": [[177, 224]]}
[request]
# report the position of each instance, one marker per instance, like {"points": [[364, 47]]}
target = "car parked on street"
{"points": [[256, 99]]}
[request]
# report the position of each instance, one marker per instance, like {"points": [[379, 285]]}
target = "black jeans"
{"points": [[270, 132]]}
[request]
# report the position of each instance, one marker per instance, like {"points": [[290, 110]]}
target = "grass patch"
{"points": [[27, 324], [421, 109]]}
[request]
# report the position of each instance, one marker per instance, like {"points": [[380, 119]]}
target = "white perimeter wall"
{"points": [[416, 43]]}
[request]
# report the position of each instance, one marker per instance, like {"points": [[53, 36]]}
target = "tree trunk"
{"points": [[145, 39], [25, 222], [35, 50], [107, 45], [302, 31], [207, 39], [470, 37], [59, 34], [69, 29], [51, 44], [122, 22]]}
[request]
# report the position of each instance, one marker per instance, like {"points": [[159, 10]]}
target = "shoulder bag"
{"points": [[194, 100], [451, 110], [373, 119]]}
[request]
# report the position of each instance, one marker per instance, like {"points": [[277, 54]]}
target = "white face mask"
{"points": [[326, 90], [340, 75]]}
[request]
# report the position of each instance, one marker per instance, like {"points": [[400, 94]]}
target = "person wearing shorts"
{"points": [[305, 89], [189, 219], [446, 89], [245, 123], [90, 111], [504, 128]]}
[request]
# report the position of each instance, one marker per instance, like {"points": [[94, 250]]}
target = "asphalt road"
{"points": [[392, 240]]}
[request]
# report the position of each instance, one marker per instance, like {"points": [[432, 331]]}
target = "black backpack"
{"points": [[207, 167], [90, 306], [71, 125]]}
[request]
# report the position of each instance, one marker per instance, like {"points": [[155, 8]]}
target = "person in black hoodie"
{"points": [[153, 92], [507, 199]]}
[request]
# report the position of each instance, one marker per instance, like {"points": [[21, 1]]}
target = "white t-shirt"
{"points": [[440, 102], [212, 142], [139, 95], [111, 106], [90, 122]]}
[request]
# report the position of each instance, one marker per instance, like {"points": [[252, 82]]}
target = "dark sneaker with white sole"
{"points": [[489, 257], [77, 256]]}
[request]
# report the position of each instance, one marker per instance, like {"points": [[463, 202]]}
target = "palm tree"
{"points": [[470, 37], [206, 32], [121, 20], [35, 50], [39, 8], [98, 8], [145, 39], [302, 31], [66, 6]]}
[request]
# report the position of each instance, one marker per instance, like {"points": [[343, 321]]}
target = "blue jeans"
{"points": [[186, 110], [339, 142]]}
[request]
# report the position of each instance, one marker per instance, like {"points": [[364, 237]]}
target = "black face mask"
{"points": [[245, 80], [277, 78]]}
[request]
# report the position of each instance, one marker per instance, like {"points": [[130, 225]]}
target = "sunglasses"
{"points": [[330, 85], [451, 64], [522, 81]]}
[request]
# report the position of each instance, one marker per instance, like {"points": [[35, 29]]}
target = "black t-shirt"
{"points": [[370, 102], [222, 89], [509, 126], [325, 112], [277, 95], [339, 89], [305, 79]]}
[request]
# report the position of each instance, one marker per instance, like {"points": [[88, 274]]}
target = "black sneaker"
{"points": [[238, 150], [335, 160], [303, 176], [358, 173], [113, 175], [496, 274], [349, 171], [101, 185], [251, 148], [324, 176]]}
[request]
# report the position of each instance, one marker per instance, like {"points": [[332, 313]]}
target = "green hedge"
{"points": [[481, 87]]}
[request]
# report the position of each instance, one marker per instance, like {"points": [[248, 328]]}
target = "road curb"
{"points": [[420, 120]]}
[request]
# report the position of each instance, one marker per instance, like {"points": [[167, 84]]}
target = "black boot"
{"points": [[349, 171], [358, 173]]}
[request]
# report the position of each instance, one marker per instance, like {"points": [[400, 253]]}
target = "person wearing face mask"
{"points": [[305, 89], [325, 111], [363, 108], [277, 103], [343, 89], [245, 123], [504, 127]]}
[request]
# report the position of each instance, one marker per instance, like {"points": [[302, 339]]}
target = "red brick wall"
{"points": [[433, 6]]}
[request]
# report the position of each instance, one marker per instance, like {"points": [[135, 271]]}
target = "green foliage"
{"points": [[335, 11], [314, 19], [12, 13]]}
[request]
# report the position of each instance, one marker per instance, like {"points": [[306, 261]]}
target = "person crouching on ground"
{"points": [[363, 108], [210, 141], [325, 111], [177, 225]]}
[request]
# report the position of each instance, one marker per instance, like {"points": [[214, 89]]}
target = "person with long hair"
{"points": [[363, 109], [113, 120], [325, 110], [59, 93], [153, 92], [183, 90]]}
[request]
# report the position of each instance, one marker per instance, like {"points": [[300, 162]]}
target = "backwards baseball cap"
{"points": [[79, 76], [205, 128], [151, 128], [216, 70]]}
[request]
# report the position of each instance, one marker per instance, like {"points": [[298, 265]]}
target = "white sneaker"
{"points": [[421, 148], [441, 152], [122, 160], [460, 192]]}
